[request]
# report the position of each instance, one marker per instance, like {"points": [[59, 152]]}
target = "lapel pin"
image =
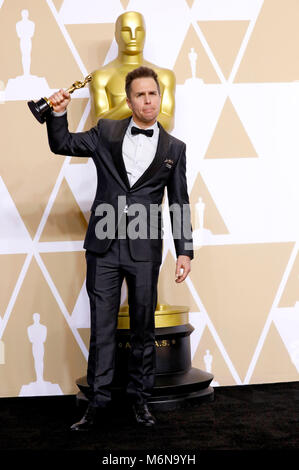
{"points": [[168, 163]]}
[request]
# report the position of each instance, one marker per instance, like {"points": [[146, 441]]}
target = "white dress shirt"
{"points": [[139, 151]]}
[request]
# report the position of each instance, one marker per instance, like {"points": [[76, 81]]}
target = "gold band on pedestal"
{"points": [[48, 101], [165, 316]]}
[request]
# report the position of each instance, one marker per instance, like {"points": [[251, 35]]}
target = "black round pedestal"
{"points": [[177, 383], [40, 109]]}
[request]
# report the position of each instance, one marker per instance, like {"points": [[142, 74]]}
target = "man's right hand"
{"points": [[60, 100]]}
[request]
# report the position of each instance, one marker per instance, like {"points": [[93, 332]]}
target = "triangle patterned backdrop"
{"points": [[237, 98]]}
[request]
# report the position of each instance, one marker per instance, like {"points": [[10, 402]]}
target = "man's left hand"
{"points": [[184, 263]]}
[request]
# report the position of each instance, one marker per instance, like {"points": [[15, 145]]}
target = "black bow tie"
{"points": [[147, 132]]}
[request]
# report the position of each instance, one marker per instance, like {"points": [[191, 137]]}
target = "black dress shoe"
{"points": [[87, 422], [143, 415]]}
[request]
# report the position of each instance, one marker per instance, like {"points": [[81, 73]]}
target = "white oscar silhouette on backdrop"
{"points": [[200, 209], [193, 59], [25, 31], [200, 234], [26, 86], [193, 81], [208, 358], [37, 334]]}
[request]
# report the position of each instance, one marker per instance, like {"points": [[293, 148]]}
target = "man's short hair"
{"points": [[140, 72]]}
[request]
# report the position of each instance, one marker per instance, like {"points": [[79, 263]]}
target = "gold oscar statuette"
{"points": [[41, 108]]}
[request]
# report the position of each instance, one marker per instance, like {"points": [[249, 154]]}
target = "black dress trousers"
{"points": [[105, 274]]}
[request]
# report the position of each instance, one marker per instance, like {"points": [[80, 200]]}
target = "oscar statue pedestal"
{"points": [[177, 383]]}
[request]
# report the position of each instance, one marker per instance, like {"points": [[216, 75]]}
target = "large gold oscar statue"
{"points": [[108, 83]]}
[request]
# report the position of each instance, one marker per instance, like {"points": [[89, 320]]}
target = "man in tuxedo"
{"points": [[135, 160]]}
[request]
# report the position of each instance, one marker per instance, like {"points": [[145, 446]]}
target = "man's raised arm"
{"points": [[63, 142]]}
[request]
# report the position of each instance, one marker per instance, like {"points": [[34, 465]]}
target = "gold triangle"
{"points": [[269, 369], [237, 285], [224, 39], [92, 42], [85, 335], [212, 217], [169, 291], [10, 267], [182, 68], [68, 280], [58, 4], [290, 294], [31, 170], [75, 111], [273, 45], [190, 3], [65, 221], [219, 368], [230, 139], [125, 3], [63, 359]]}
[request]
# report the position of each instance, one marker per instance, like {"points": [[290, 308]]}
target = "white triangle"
{"points": [[82, 180], [80, 317], [167, 23], [205, 10], [14, 236], [90, 11], [286, 321]]}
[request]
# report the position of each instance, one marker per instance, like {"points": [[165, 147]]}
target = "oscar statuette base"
{"points": [[40, 109]]}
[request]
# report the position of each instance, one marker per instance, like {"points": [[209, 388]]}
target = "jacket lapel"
{"points": [[116, 150], [159, 158]]}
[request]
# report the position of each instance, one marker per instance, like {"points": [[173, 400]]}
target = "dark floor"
{"points": [[241, 421]]}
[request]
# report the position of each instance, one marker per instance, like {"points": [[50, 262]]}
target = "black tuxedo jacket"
{"points": [[168, 169]]}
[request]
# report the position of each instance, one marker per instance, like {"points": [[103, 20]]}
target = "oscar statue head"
{"points": [[130, 33]]}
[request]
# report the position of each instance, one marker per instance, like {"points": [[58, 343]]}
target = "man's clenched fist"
{"points": [[60, 100]]}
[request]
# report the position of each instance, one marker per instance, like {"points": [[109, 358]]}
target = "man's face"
{"points": [[144, 101], [130, 33]]}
